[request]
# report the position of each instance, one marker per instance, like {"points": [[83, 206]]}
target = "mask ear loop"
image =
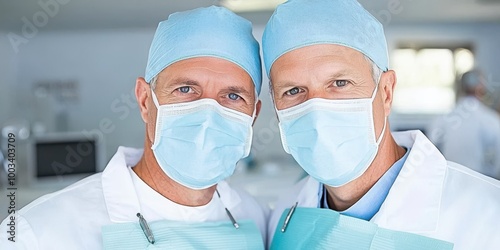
{"points": [[157, 104], [383, 132], [254, 114], [155, 100], [376, 88], [381, 136]]}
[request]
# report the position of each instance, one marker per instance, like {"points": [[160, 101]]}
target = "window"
{"points": [[427, 76]]}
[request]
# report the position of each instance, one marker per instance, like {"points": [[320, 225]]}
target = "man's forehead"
{"points": [[214, 64], [344, 59], [323, 50], [182, 72]]}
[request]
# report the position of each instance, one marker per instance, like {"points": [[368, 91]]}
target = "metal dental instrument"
{"points": [[288, 217], [145, 228], [235, 224]]}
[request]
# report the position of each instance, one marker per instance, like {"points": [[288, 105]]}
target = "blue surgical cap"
{"points": [[213, 32], [300, 23]]}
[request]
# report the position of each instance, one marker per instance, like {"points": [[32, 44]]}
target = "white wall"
{"points": [[105, 64], [8, 64]]}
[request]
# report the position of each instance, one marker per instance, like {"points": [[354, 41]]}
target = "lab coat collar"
{"points": [[306, 197], [416, 193], [120, 194], [118, 188]]}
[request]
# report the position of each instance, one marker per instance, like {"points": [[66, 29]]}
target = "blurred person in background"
{"points": [[470, 134]]}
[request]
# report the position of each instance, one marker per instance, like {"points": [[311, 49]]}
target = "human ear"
{"points": [[141, 94], [387, 84], [257, 111]]}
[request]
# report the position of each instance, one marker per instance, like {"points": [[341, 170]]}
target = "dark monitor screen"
{"points": [[65, 158]]}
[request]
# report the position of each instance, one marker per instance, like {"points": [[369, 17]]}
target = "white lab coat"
{"points": [[470, 135], [72, 218], [430, 197]]}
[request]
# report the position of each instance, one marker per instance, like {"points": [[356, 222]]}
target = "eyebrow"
{"points": [[284, 84], [189, 82], [336, 75], [180, 82], [340, 74], [183, 81]]}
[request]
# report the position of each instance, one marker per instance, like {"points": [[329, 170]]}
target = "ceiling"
{"points": [[112, 14]]}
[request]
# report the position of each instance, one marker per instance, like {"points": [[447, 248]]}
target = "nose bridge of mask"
{"points": [[293, 111], [219, 108], [189, 107]]}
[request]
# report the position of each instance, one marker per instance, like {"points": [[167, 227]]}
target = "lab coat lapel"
{"points": [[229, 197], [306, 197], [413, 203], [119, 192]]}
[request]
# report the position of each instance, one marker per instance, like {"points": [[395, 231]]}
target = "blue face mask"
{"points": [[334, 141], [198, 143]]}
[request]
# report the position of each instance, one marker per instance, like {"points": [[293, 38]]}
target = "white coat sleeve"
{"points": [[22, 238]]}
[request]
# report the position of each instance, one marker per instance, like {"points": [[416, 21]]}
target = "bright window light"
{"points": [[464, 60], [251, 5], [427, 77]]}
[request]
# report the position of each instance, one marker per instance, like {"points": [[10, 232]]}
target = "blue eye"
{"points": [[293, 91], [340, 83], [184, 89], [233, 96]]}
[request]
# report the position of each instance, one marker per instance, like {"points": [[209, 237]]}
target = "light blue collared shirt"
{"points": [[371, 202]]}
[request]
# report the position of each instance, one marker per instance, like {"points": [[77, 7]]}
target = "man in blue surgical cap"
{"points": [[368, 188], [199, 99]]}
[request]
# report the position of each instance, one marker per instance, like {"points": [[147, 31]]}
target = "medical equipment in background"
{"points": [[60, 159]]}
